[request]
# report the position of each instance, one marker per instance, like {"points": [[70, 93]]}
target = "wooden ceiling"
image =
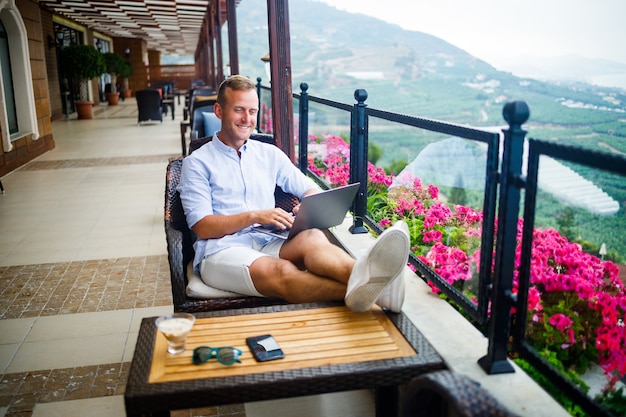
{"points": [[169, 26]]}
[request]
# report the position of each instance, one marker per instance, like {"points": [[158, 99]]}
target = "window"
{"points": [[18, 116], [7, 80]]}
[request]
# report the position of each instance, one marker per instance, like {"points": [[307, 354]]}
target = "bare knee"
{"points": [[313, 235], [273, 277]]}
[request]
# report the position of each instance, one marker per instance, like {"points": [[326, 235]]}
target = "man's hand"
{"points": [[276, 217]]}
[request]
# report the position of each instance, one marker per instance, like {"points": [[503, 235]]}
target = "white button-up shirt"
{"points": [[216, 180]]}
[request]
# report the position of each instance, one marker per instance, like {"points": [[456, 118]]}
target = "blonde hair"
{"points": [[234, 82]]}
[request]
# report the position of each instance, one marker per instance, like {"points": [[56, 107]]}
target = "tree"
{"points": [[81, 63], [115, 65]]}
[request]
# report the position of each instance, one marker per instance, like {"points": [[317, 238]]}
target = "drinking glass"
{"points": [[175, 327]]}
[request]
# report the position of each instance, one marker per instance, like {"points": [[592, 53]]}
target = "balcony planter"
{"points": [[81, 63]]}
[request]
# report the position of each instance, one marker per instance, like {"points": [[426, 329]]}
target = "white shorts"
{"points": [[228, 268]]}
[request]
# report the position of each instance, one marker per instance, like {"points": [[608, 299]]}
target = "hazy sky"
{"points": [[493, 30]]}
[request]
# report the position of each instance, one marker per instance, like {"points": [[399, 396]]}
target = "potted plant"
{"points": [[81, 63], [125, 72], [114, 66]]}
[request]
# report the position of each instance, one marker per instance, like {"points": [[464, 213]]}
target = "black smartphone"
{"points": [[264, 348]]}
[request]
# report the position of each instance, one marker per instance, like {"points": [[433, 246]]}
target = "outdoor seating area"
{"points": [[95, 245], [122, 186]]}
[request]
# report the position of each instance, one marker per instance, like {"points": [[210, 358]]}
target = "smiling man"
{"points": [[227, 186]]}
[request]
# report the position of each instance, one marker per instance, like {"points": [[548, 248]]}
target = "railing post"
{"points": [[495, 362], [303, 128], [258, 114], [358, 160]]}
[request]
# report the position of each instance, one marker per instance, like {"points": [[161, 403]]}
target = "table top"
{"points": [[327, 348]]}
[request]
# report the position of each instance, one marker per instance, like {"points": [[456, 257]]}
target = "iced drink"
{"points": [[175, 327]]}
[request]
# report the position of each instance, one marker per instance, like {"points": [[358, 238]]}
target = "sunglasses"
{"points": [[224, 355]]}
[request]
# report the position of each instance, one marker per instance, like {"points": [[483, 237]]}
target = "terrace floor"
{"points": [[83, 260]]}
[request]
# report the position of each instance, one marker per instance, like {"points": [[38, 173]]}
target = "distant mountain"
{"points": [[337, 52], [328, 44], [568, 68]]}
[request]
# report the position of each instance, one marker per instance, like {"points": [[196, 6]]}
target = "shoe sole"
{"points": [[384, 254]]}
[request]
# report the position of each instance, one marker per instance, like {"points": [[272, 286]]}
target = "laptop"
{"points": [[317, 211]]}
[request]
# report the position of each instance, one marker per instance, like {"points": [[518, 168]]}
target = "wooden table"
{"points": [[328, 348]]}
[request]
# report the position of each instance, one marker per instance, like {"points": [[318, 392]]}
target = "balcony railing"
{"points": [[181, 75], [500, 306]]}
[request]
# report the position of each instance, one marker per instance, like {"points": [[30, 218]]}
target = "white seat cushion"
{"points": [[196, 288]]}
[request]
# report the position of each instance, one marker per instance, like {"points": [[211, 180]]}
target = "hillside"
{"points": [[329, 46], [414, 73]]}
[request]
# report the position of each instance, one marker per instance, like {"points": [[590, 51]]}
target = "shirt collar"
{"points": [[227, 149]]}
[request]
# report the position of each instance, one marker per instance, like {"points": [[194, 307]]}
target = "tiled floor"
{"points": [[83, 260]]}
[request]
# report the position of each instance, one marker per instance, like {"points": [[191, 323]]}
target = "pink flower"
{"points": [[432, 236], [534, 299], [385, 223], [433, 191], [561, 322]]}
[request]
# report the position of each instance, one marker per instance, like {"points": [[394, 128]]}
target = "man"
{"points": [[227, 186]]}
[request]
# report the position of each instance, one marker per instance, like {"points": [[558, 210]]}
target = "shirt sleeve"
{"points": [[195, 190], [290, 179]]}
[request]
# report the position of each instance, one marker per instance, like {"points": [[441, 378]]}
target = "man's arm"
{"points": [[215, 226], [296, 208]]}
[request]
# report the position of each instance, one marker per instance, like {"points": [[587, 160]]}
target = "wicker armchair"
{"points": [[444, 393], [149, 106], [180, 246]]}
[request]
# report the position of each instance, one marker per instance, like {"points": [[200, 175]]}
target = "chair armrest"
{"points": [[175, 254], [183, 131]]}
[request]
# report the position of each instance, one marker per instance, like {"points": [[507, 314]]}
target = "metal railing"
{"points": [[504, 184]]}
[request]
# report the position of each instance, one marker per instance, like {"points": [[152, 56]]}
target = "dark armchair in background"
{"points": [[149, 106], [204, 123], [189, 121]]}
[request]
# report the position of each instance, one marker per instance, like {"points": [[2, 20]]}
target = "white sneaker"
{"points": [[392, 297], [383, 263]]}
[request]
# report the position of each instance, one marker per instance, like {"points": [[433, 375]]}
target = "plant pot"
{"points": [[113, 98], [127, 93], [84, 109]]}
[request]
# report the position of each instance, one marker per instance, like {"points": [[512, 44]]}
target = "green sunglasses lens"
{"points": [[201, 355], [228, 356]]}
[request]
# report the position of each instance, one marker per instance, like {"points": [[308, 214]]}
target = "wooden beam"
{"points": [[233, 46], [280, 63], [218, 42]]}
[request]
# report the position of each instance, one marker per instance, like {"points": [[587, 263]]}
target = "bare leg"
{"points": [[274, 277], [310, 269], [312, 251]]}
